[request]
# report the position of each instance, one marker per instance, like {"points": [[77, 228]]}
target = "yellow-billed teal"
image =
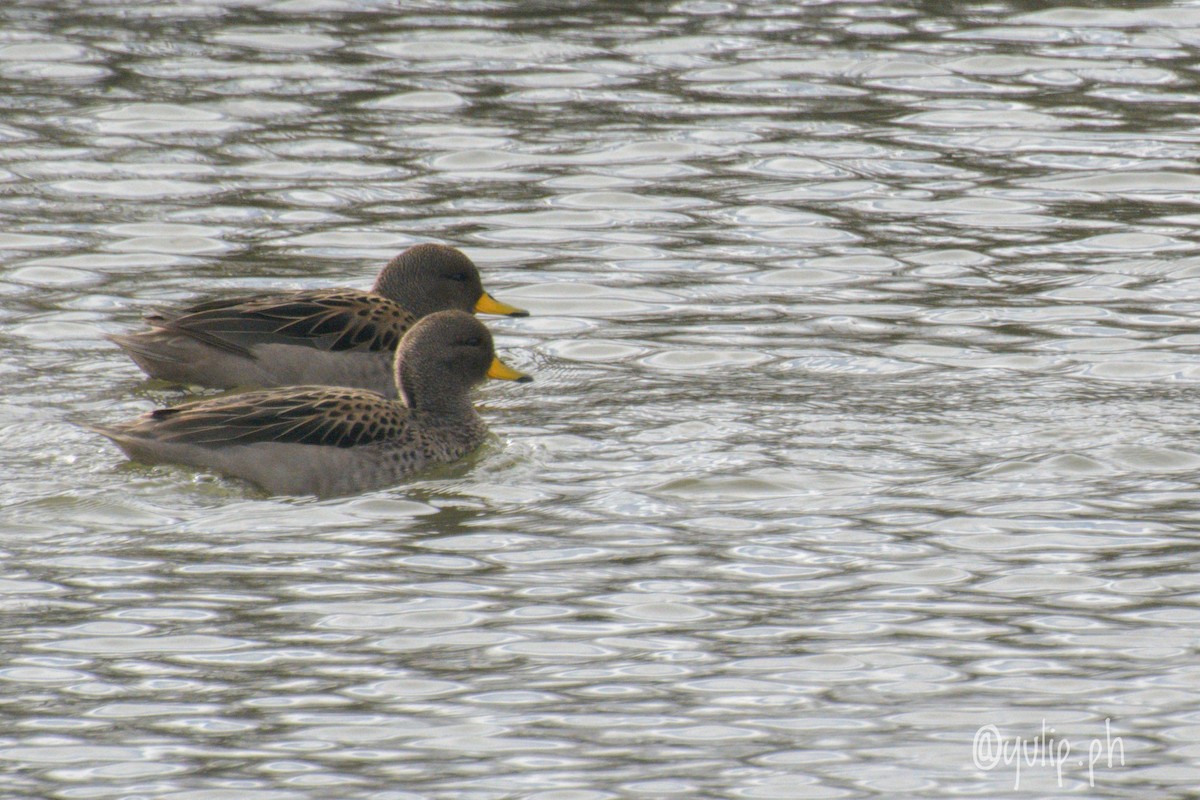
{"points": [[326, 440], [335, 337]]}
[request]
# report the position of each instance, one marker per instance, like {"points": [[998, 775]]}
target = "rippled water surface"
{"points": [[863, 440]]}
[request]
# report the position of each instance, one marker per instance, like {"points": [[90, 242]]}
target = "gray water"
{"points": [[863, 439]]}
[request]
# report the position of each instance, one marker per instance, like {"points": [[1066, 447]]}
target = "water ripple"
{"points": [[862, 418]]}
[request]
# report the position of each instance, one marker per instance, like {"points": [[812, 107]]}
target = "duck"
{"points": [[335, 337], [331, 441]]}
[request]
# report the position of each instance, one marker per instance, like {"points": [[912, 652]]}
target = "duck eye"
{"points": [[461, 277], [474, 341]]}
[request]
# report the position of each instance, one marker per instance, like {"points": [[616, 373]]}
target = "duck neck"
{"points": [[392, 283], [443, 401], [449, 407]]}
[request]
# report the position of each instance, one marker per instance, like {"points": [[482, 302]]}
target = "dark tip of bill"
{"points": [[524, 379], [520, 312]]}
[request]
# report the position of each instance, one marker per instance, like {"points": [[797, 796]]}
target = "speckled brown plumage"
{"points": [[339, 337], [326, 440], [332, 319], [324, 416]]}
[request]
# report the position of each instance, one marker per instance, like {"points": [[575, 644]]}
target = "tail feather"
{"points": [[103, 430], [145, 351], [135, 448], [112, 433]]}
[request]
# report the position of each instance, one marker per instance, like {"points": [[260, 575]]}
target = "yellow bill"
{"points": [[506, 373], [486, 304]]}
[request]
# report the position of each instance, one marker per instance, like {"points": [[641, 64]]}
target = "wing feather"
{"points": [[330, 319], [305, 415]]}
